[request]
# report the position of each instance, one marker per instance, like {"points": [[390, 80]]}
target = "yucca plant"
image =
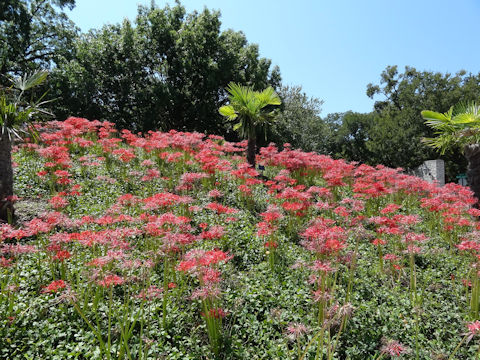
{"points": [[249, 107], [16, 115], [459, 128]]}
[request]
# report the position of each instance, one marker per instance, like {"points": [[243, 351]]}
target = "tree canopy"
{"points": [[398, 127], [34, 35], [168, 70]]}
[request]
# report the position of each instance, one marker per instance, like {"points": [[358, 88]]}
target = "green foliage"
{"points": [[397, 129], [455, 128], [249, 108], [34, 34], [299, 122], [351, 135], [166, 71], [15, 111]]}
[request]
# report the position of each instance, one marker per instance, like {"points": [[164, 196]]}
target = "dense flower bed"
{"points": [[169, 246]]}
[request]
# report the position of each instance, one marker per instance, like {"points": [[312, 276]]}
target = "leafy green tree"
{"points": [[253, 111], [34, 34], [298, 122], [16, 113], [166, 71], [459, 128], [350, 136], [397, 130]]}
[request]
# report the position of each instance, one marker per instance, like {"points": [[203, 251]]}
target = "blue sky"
{"points": [[334, 48]]}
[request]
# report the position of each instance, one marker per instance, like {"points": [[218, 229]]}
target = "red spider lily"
{"points": [[356, 205], [412, 249], [243, 171], [151, 293], [391, 257], [296, 330], [62, 255], [58, 202], [147, 162], [293, 194], [54, 286], [163, 200], [59, 155], [271, 215], [216, 313], [394, 348], [151, 174], [378, 242], [37, 226], [214, 257], [209, 275], [319, 295], [61, 173], [410, 238], [320, 191], [215, 194], [215, 232], [468, 245], [245, 189], [320, 266], [390, 208], [265, 229], [5, 262], [473, 329], [271, 245], [17, 249], [220, 209], [293, 206], [406, 219], [209, 291], [392, 230], [341, 211], [174, 242], [190, 178], [321, 238], [111, 280]]}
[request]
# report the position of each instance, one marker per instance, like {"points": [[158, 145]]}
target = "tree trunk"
{"points": [[472, 153], [6, 178], [251, 148]]}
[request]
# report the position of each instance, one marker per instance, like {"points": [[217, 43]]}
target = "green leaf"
{"points": [[432, 115], [228, 111], [27, 82], [467, 118]]}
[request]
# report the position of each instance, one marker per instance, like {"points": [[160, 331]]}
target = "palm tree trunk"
{"points": [[251, 148], [472, 153], [6, 177]]}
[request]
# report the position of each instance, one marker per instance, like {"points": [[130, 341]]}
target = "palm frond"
{"points": [[458, 127], [228, 111], [248, 106], [436, 116], [466, 118], [268, 97], [26, 82]]}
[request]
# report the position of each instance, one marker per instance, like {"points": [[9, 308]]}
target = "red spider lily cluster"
{"points": [[166, 236]]}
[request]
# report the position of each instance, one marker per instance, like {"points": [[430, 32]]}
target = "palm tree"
{"points": [[15, 116], [458, 128], [251, 110]]}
